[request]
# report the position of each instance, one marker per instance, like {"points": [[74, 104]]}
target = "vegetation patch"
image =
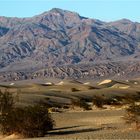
{"points": [[132, 115], [80, 103], [30, 121]]}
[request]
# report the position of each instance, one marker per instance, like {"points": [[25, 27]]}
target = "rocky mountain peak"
{"points": [[60, 12], [125, 21]]}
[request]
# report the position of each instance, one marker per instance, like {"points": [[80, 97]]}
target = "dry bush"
{"points": [[80, 103], [30, 121], [115, 101], [6, 101], [133, 115], [98, 101]]}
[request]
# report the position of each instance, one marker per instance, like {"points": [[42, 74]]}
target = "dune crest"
{"points": [[120, 86], [105, 82], [87, 83], [60, 83]]}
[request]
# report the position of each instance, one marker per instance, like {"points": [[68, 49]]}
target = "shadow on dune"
{"points": [[67, 132], [68, 127]]}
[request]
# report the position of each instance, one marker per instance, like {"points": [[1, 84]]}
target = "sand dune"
{"points": [[87, 83], [120, 86], [60, 83], [105, 82]]}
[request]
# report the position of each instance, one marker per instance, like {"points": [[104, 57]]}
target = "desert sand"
{"points": [[95, 124]]}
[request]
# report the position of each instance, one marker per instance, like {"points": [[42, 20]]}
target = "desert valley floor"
{"points": [[98, 123]]}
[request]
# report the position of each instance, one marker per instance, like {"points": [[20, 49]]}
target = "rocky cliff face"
{"points": [[61, 43]]}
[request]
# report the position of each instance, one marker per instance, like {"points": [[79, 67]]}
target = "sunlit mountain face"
{"points": [[60, 43]]}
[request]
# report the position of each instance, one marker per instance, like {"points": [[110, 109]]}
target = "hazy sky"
{"points": [[107, 10]]}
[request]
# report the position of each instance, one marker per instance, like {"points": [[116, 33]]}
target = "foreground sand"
{"points": [[98, 124]]}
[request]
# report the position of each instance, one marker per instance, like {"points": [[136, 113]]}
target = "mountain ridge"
{"points": [[61, 38]]}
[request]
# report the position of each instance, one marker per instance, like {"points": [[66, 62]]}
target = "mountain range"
{"points": [[61, 44]]}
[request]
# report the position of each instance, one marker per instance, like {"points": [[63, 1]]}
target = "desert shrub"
{"points": [[6, 101], [136, 97], [131, 98], [80, 103], [112, 101], [65, 107], [133, 115], [30, 121], [118, 98], [98, 101]]}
